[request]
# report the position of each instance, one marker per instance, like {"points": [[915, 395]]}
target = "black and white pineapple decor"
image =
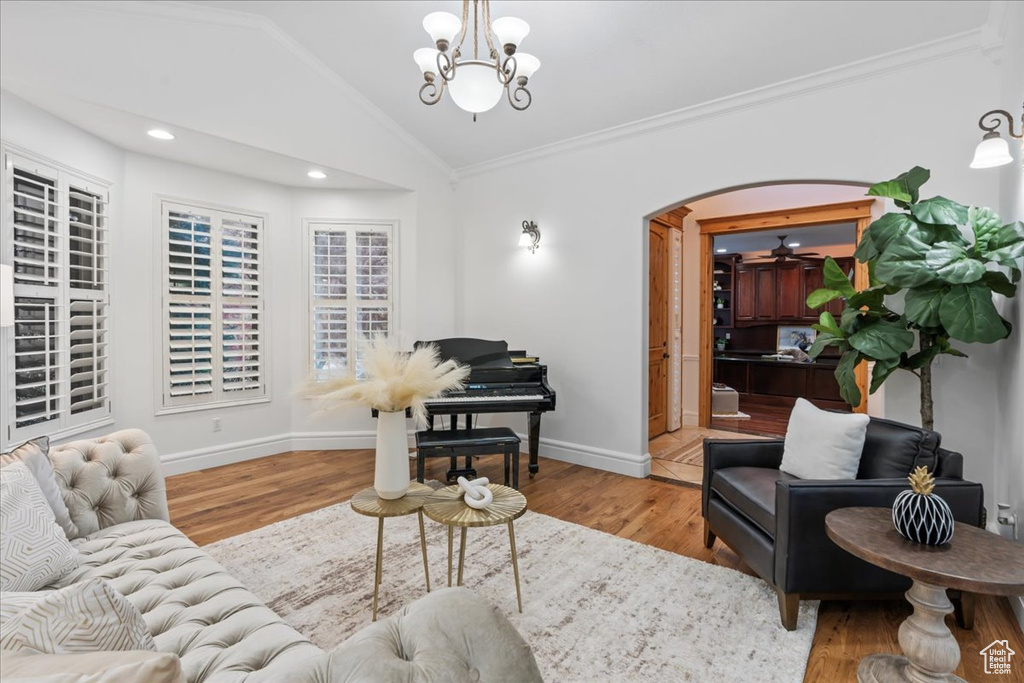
{"points": [[920, 515]]}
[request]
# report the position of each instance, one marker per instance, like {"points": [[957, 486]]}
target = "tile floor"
{"points": [[678, 456]]}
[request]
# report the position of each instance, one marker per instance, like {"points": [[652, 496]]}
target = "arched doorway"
{"points": [[760, 211]]}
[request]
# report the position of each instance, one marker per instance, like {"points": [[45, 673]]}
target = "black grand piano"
{"points": [[500, 381]]}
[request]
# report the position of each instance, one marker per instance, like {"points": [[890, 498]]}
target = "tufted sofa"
{"points": [[115, 493]]}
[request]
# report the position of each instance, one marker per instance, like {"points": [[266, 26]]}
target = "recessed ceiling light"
{"points": [[794, 244], [160, 134], [721, 251], [317, 175]]}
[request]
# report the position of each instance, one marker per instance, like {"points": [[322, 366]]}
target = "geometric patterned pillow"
{"points": [[35, 456], [83, 617], [34, 551]]}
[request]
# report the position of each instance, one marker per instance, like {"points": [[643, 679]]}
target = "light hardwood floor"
{"points": [[212, 504], [678, 456]]}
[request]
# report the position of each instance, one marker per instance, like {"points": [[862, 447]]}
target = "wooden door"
{"points": [[764, 306], [657, 331], [789, 303], [744, 295]]}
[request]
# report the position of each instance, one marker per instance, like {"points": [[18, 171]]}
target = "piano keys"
{"points": [[496, 384]]}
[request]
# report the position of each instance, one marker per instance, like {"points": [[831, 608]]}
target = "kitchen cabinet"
{"points": [[776, 293]]}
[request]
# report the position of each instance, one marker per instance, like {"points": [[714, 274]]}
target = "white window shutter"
{"points": [[58, 359], [215, 352], [351, 291]]}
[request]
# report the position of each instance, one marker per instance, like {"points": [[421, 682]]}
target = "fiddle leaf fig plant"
{"points": [[946, 273]]}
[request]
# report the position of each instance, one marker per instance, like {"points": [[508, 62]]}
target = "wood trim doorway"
{"points": [[845, 212]]}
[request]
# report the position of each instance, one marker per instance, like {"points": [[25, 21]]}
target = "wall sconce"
{"points": [[530, 237], [993, 150]]}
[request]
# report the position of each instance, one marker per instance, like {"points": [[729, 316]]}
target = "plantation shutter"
{"points": [[351, 290], [56, 365], [213, 307]]}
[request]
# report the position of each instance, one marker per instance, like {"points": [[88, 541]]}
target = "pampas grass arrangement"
{"points": [[395, 380]]}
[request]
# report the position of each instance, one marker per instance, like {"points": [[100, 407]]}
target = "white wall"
{"points": [[580, 302], [1007, 483], [187, 440]]}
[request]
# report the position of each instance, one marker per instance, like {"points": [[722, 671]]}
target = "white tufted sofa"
{"points": [[222, 632]]}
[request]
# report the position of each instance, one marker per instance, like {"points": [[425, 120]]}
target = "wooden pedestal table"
{"points": [[447, 507], [367, 503], [974, 560]]}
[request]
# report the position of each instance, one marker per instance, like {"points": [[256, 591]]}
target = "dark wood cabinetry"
{"points": [[779, 383], [768, 293]]}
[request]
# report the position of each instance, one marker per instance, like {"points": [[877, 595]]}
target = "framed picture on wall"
{"points": [[795, 337]]}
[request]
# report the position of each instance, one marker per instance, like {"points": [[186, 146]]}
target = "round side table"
{"points": [[366, 502], [974, 560], [447, 507]]}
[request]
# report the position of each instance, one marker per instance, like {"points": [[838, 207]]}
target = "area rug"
{"points": [[595, 607]]}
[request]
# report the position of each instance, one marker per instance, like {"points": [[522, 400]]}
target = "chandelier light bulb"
{"points": [[510, 31], [442, 27], [992, 151], [526, 65], [475, 88], [525, 239], [426, 59]]}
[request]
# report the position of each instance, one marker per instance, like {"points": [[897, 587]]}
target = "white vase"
{"points": [[391, 468]]}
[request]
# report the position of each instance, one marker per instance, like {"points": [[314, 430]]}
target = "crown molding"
{"points": [[213, 16], [966, 42]]}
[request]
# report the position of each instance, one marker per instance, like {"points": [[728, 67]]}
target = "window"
{"points": [[352, 289], [213, 341], [56, 363]]}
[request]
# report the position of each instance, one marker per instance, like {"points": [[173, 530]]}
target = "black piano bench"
{"points": [[453, 443]]}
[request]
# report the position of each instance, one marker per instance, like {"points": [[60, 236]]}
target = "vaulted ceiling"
{"points": [[282, 76]]}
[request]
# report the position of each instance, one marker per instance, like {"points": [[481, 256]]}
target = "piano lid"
{"points": [[473, 352]]}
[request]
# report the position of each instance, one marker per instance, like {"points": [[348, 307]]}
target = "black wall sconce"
{"points": [[993, 150], [530, 237]]}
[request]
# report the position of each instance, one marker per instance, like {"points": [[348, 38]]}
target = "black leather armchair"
{"points": [[776, 522]]}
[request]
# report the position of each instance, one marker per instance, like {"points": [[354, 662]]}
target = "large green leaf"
{"points": [[834, 278], [922, 305], [903, 188], [953, 264], [922, 358], [887, 228], [905, 264], [849, 320], [828, 323], [873, 297], [985, 223], [999, 283], [820, 297], [866, 250], [1006, 245], [882, 339], [847, 379], [940, 211], [820, 342], [881, 372], [968, 314]]}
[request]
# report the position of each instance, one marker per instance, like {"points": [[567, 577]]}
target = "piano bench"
{"points": [[454, 443]]}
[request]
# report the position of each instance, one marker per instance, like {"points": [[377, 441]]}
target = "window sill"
{"points": [[197, 407], [61, 434]]}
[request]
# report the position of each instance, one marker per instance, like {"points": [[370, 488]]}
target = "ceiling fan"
{"points": [[782, 252]]}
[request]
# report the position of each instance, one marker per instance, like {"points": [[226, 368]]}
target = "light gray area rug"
{"points": [[595, 607]]}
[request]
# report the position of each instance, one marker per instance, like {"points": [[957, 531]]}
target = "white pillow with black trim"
{"points": [[84, 617], [821, 444], [34, 551], [35, 455]]}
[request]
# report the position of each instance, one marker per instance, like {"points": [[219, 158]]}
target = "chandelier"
{"points": [[475, 84]]}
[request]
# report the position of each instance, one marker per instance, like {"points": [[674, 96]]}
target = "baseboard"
{"points": [[598, 458], [225, 454]]}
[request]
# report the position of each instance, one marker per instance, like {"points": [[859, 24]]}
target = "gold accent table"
{"points": [[447, 507], [366, 502]]}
